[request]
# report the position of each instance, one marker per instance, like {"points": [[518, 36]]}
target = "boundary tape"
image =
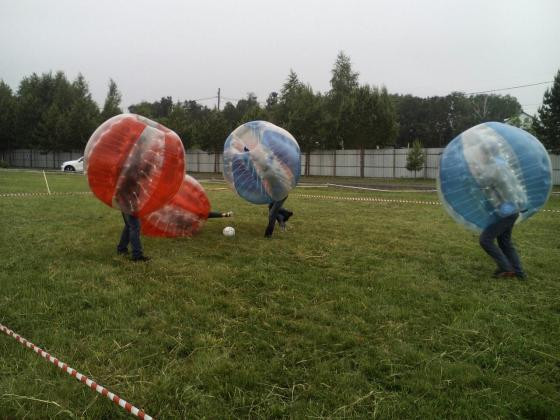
{"points": [[377, 189], [74, 373], [367, 199], [322, 197], [37, 194], [382, 200]]}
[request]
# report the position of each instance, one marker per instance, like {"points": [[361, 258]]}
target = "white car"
{"points": [[73, 165]]}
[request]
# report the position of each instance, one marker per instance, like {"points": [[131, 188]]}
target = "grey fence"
{"points": [[375, 163], [26, 158]]}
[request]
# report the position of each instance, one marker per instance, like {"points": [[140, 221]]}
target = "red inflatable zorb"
{"points": [[184, 215], [134, 164]]}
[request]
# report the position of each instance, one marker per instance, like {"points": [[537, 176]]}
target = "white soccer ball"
{"points": [[229, 231]]}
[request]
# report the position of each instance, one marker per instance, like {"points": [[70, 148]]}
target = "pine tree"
{"points": [[415, 158], [344, 80], [341, 102], [112, 102], [547, 126]]}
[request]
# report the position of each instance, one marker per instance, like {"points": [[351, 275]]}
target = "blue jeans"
{"points": [[504, 254], [130, 234], [274, 210]]}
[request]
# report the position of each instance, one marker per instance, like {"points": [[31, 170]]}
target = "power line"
{"points": [[203, 99], [510, 88]]}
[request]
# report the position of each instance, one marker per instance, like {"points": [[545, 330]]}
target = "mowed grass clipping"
{"points": [[360, 309]]}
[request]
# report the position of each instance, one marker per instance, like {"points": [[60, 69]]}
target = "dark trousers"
{"points": [[274, 211], [130, 234], [504, 254]]}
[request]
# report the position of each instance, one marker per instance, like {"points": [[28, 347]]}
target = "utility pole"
{"points": [[218, 99]]}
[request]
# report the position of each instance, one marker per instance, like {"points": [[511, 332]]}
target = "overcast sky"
{"points": [[188, 49]]}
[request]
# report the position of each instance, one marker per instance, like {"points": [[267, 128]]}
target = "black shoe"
{"points": [[287, 215], [140, 258], [521, 276]]}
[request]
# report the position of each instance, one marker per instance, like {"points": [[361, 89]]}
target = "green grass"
{"points": [[360, 309]]}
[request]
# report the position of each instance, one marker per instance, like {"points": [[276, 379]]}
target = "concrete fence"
{"points": [[375, 163]]}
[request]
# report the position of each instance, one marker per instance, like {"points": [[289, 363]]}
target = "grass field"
{"points": [[361, 309]]}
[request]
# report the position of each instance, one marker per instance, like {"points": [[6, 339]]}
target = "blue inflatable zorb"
{"points": [[262, 162], [493, 170]]}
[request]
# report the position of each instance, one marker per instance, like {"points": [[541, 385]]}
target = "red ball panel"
{"points": [[184, 215], [134, 164]]}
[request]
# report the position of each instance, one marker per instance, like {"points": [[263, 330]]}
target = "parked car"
{"points": [[73, 165]]}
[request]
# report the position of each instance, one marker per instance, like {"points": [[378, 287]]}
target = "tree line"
{"points": [[51, 113]]}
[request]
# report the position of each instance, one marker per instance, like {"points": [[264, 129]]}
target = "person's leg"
{"points": [[507, 247], [283, 216], [486, 241], [216, 214], [122, 247], [287, 214], [281, 220], [273, 211], [134, 232]]}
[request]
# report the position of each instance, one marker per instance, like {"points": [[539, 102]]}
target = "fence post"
{"points": [[362, 161], [394, 162], [334, 163], [425, 163]]}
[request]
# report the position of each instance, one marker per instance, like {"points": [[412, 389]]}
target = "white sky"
{"points": [[188, 49]]}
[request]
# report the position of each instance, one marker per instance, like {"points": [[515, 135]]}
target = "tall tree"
{"points": [[7, 115], [212, 132], [305, 118], [344, 82], [82, 116], [547, 126], [290, 90], [111, 107], [372, 119], [244, 106]]}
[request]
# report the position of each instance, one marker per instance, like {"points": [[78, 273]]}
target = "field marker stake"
{"points": [[72, 372], [46, 182]]}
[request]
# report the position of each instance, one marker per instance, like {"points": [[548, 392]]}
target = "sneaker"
{"points": [[521, 276], [502, 274], [227, 214], [140, 258]]}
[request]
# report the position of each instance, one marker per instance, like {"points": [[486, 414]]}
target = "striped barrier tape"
{"points": [[381, 200], [371, 199], [37, 194], [381, 190], [322, 197], [80, 377]]}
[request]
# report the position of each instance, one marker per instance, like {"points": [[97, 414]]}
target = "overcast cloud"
{"points": [[189, 49]]}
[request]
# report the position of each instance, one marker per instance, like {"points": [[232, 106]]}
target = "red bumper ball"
{"points": [[184, 215], [134, 164]]}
